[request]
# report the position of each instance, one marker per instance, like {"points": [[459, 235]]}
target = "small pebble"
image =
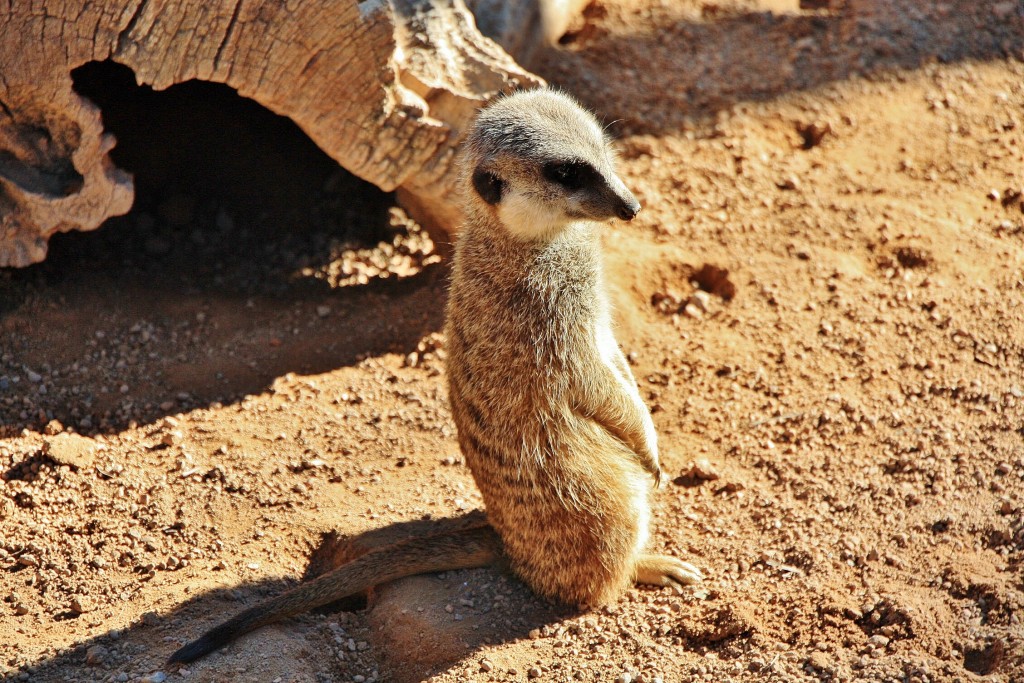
{"points": [[702, 300], [171, 438], [72, 450], [96, 654], [819, 661], [155, 677], [703, 469], [693, 311], [79, 605]]}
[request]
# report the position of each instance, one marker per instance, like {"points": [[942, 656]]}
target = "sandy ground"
{"points": [[823, 302]]}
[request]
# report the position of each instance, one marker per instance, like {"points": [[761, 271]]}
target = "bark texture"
{"points": [[384, 87]]}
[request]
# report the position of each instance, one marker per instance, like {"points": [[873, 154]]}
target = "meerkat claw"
{"points": [[665, 570], [686, 574]]}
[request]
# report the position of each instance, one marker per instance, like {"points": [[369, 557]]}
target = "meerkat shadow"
{"points": [[425, 624]]}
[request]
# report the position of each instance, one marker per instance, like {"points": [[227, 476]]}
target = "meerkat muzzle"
{"points": [[628, 208]]}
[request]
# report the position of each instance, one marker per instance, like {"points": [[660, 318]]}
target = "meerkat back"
{"points": [[548, 413]]}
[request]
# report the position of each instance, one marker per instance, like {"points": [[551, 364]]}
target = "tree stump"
{"points": [[385, 87]]}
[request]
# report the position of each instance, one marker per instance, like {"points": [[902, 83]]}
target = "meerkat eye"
{"points": [[571, 175], [488, 186]]}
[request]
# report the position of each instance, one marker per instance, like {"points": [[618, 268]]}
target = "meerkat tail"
{"points": [[464, 549]]}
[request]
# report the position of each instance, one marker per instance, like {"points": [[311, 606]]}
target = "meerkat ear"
{"points": [[488, 186]]}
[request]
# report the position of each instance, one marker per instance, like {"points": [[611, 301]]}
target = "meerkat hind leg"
{"points": [[665, 570]]}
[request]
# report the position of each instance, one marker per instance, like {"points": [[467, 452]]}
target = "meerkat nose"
{"points": [[629, 208]]}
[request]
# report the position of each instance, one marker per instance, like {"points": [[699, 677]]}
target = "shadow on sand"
{"points": [[412, 633], [229, 272]]}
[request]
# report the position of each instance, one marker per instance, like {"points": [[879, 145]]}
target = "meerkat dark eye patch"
{"points": [[488, 186], [571, 175]]}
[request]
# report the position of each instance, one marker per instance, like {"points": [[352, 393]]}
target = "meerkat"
{"points": [[548, 414]]}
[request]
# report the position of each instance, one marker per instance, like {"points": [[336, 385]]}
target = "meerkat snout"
{"points": [[592, 192], [627, 207]]}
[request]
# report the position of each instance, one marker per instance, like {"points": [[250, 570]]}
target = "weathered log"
{"points": [[521, 27], [385, 88]]}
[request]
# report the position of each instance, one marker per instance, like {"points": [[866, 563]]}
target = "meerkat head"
{"points": [[540, 162]]}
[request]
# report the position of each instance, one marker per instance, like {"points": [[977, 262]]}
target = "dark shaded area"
{"points": [[203, 292], [812, 134], [715, 280], [474, 547], [205, 139], [984, 660], [512, 620], [218, 179]]}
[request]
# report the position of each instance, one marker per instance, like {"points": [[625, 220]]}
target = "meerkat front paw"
{"points": [[665, 570]]}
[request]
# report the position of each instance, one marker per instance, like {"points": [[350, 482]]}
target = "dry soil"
{"points": [[823, 303]]}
